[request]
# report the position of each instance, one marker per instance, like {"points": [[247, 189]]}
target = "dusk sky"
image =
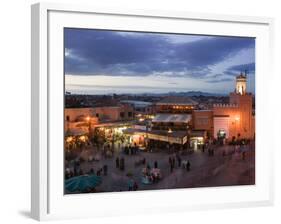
{"points": [[106, 62]]}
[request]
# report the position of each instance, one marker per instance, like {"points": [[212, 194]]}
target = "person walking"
{"points": [[243, 155], [130, 185], [99, 172], [188, 166], [75, 172], [170, 160], [117, 162], [155, 164], [122, 167], [92, 171], [148, 166], [174, 161], [105, 170], [179, 161], [135, 186]]}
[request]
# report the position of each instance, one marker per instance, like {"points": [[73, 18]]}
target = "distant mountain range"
{"points": [[189, 93], [196, 93]]}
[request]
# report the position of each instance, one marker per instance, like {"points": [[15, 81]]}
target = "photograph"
{"points": [[157, 111]]}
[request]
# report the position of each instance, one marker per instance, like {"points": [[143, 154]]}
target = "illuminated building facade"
{"points": [[174, 113], [176, 104], [236, 119], [77, 120], [107, 113], [173, 120], [169, 125]]}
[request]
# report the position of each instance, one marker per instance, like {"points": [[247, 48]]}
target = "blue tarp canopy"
{"points": [[82, 183]]}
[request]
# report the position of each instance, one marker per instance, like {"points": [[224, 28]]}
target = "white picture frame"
{"points": [[48, 201]]}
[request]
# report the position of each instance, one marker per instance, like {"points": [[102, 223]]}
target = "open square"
{"points": [[148, 111]]}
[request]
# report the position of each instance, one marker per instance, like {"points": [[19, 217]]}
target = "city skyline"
{"points": [[106, 62]]}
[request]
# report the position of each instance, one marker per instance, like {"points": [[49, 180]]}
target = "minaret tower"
{"points": [[243, 100], [241, 84]]}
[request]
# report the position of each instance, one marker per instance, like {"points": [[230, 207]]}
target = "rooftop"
{"points": [[137, 103], [177, 100], [179, 118]]}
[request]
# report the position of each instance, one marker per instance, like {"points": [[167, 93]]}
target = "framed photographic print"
{"points": [[148, 111]]}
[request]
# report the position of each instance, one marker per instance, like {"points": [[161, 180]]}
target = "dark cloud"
{"points": [[219, 80], [93, 52], [237, 69], [210, 51]]}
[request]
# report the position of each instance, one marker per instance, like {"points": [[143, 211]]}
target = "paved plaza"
{"points": [[225, 168]]}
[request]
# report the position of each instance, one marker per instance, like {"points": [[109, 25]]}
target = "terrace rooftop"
{"points": [[178, 100]]}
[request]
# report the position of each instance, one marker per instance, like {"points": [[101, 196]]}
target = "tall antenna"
{"points": [[246, 71]]}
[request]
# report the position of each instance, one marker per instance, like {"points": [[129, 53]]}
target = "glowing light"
{"points": [[136, 138], [237, 118], [88, 118], [170, 130], [69, 139], [82, 138], [240, 90]]}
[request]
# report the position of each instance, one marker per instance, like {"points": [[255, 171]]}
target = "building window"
{"points": [[97, 115], [67, 118], [122, 114], [130, 114]]}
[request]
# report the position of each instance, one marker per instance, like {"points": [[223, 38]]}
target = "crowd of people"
{"points": [[76, 170], [131, 150], [151, 175], [132, 185], [180, 163]]}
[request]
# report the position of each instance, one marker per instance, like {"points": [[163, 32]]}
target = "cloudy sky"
{"points": [[105, 62]]}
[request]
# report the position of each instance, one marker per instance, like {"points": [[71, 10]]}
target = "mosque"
{"points": [[232, 120]]}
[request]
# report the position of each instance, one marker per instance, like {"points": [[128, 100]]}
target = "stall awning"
{"points": [[176, 118], [178, 137]]}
